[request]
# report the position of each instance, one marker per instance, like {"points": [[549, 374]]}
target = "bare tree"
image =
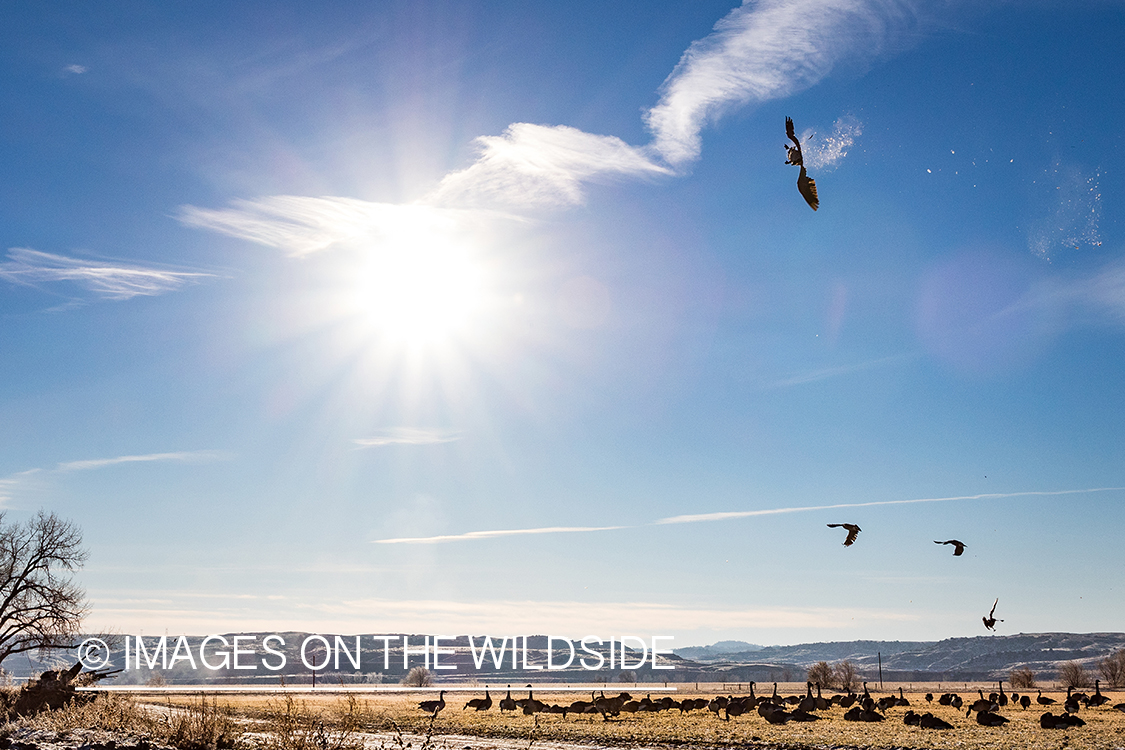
{"points": [[1073, 674], [1022, 678], [1112, 668], [41, 607], [846, 676], [418, 677], [822, 674]]}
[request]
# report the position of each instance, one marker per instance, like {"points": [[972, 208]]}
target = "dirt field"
{"points": [[381, 715]]}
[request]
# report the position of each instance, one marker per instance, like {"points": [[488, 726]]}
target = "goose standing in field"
{"points": [[853, 531], [433, 708], [805, 184], [507, 703], [958, 547], [1044, 701], [1097, 699], [990, 621], [480, 704]]}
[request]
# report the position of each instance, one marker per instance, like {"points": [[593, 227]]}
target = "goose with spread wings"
{"points": [[958, 547], [853, 531], [990, 621], [805, 184]]}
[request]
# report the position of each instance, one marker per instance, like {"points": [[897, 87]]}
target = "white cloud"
{"points": [[181, 456], [761, 51], [832, 372], [300, 225], [408, 436], [541, 166], [573, 619], [114, 281], [727, 515], [75, 69], [472, 535]]}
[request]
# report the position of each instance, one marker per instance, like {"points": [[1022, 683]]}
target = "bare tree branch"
{"points": [[40, 604]]}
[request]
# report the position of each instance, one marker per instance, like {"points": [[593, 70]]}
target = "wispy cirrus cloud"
{"points": [[542, 166], [408, 436], [193, 613], [301, 225], [204, 456], [730, 515], [114, 281], [761, 51], [498, 533], [833, 372]]}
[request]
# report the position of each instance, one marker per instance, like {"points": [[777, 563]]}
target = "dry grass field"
{"points": [[393, 719]]}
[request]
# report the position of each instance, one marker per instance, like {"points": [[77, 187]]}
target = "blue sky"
{"points": [[300, 308]]}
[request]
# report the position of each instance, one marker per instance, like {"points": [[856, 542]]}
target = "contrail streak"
{"points": [[726, 515]]}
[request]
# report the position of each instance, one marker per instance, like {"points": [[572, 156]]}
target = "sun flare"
{"points": [[421, 289]]}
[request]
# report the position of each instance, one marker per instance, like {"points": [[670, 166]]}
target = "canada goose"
{"points": [[957, 702], [902, 701], [1070, 705], [433, 707], [929, 721], [1044, 701], [808, 703], [911, 719], [929, 697], [578, 707], [1003, 699], [990, 719], [990, 621], [1025, 701], [480, 704], [531, 705], [1120, 707], [805, 184], [853, 531], [1097, 699], [507, 703], [958, 547], [982, 705], [821, 701], [1062, 721], [735, 707]]}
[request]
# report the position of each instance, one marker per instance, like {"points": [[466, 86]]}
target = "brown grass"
{"points": [[396, 715], [394, 721]]}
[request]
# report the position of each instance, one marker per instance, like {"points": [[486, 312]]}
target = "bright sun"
{"points": [[421, 289]]}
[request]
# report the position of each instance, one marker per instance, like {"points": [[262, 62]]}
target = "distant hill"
{"points": [[980, 657], [717, 651]]}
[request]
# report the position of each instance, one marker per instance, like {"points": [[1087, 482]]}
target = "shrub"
{"points": [[847, 679], [1112, 668], [1073, 674], [291, 726], [1022, 678], [822, 674], [627, 676], [418, 677]]}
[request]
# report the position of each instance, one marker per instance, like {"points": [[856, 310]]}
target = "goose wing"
{"points": [[807, 186]]}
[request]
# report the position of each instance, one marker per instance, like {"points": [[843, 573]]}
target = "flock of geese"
{"points": [[777, 709], [853, 529]]}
